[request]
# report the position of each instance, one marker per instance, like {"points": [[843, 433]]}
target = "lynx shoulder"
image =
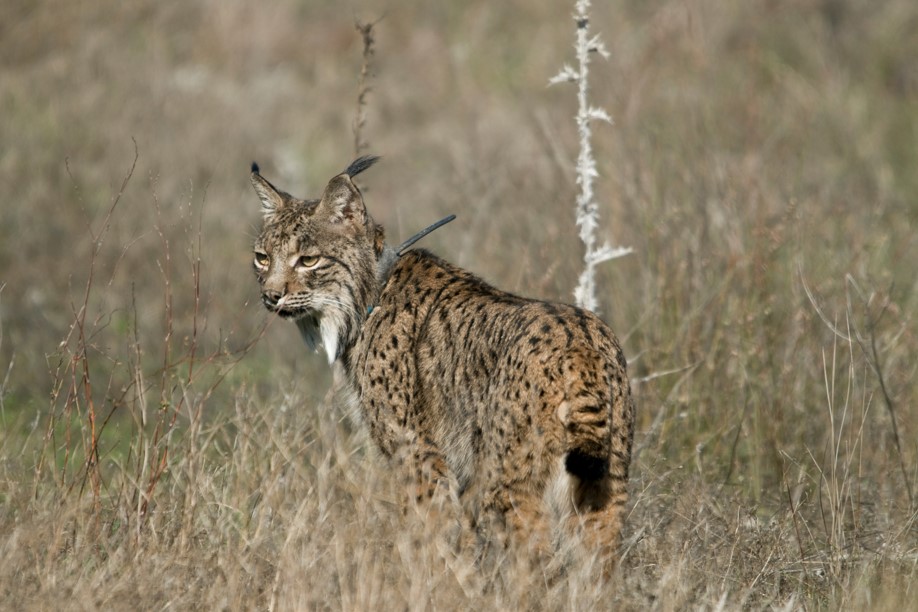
{"points": [[505, 400]]}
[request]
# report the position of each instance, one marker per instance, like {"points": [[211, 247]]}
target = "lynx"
{"points": [[512, 405]]}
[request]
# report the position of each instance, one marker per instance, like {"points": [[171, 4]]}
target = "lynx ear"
{"points": [[272, 199], [342, 201]]}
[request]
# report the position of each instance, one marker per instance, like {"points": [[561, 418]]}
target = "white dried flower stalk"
{"points": [[587, 210]]}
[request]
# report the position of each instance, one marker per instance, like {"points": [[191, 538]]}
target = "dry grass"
{"points": [[176, 449]]}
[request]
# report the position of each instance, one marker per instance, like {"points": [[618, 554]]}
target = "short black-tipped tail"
{"points": [[586, 467]]}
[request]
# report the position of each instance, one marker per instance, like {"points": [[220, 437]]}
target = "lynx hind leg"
{"points": [[586, 518], [598, 516]]}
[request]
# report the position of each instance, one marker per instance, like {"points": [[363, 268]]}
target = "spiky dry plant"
{"points": [[586, 206]]}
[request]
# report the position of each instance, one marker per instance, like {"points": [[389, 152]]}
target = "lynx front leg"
{"points": [[427, 475], [423, 468]]}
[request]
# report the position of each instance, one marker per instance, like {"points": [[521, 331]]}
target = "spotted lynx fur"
{"points": [[509, 403]]}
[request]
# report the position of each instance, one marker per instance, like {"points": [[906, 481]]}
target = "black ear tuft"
{"points": [[255, 168], [360, 164]]}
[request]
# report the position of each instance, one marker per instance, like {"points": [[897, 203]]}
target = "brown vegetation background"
{"points": [[175, 447]]}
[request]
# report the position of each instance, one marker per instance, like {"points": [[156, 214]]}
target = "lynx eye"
{"points": [[262, 259], [307, 261]]}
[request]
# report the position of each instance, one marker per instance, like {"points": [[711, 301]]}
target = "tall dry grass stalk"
{"points": [[363, 85], [74, 394], [587, 208], [102, 373]]}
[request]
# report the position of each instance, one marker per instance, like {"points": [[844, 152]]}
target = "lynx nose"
{"points": [[271, 297]]}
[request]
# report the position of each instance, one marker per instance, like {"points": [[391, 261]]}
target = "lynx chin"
{"points": [[519, 409]]}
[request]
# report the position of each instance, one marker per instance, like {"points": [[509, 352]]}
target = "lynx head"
{"points": [[318, 261]]}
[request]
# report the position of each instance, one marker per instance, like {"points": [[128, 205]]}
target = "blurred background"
{"points": [[760, 151]]}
